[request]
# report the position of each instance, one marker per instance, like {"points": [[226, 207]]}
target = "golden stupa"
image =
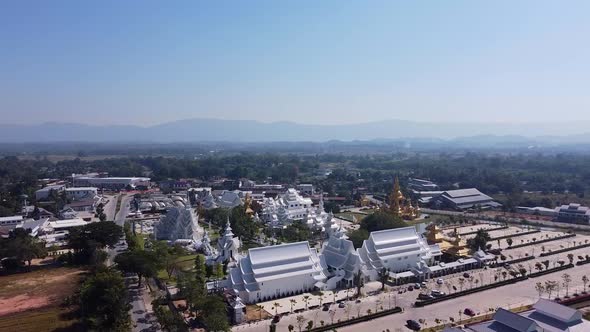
{"points": [[455, 246], [399, 206], [247, 205]]}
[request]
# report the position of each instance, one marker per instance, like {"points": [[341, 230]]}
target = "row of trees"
{"points": [[551, 286]]}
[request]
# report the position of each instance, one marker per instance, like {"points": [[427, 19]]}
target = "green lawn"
{"points": [[348, 216], [185, 263]]}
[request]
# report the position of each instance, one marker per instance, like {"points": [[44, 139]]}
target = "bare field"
{"points": [[31, 301]]}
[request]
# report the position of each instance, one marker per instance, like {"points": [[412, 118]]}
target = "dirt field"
{"points": [[31, 301]]}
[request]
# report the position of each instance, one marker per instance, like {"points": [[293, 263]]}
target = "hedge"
{"points": [[356, 320], [555, 252], [487, 230], [514, 235], [555, 269], [541, 241]]}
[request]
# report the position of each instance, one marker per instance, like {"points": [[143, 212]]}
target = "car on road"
{"points": [[439, 281], [413, 325], [469, 312]]}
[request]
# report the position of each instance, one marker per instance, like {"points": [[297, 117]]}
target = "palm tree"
{"points": [[570, 257], [290, 328], [293, 302], [321, 297], [306, 300], [461, 283], [260, 309], [584, 281], [358, 281], [334, 293], [276, 305], [383, 276]]}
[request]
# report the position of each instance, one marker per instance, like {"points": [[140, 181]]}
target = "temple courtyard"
{"points": [[509, 296]]}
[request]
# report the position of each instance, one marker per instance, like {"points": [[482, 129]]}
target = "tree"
{"points": [[550, 287], [383, 277], [540, 288], [143, 263], [509, 241], [570, 257], [480, 240], [567, 279], [358, 236], [380, 221], [300, 321], [309, 326], [103, 301], [292, 302], [358, 282], [306, 300], [214, 314], [585, 282], [22, 247], [88, 239]]}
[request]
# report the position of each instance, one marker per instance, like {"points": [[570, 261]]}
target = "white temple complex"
{"points": [[290, 207]]}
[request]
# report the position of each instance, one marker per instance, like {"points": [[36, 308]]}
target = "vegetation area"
{"points": [[20, 247], [376, 221]]}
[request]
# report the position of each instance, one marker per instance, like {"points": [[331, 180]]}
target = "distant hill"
{"points": [[211, 130]]}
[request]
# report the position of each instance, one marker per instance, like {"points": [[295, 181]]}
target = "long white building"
{"points": [[277, 271]]}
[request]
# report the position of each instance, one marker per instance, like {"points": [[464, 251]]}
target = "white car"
{"points": [[439, 281]]}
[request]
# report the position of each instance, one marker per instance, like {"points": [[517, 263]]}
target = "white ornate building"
{"points": [[290, 207], [277, 271], [179, 223], [397, 250]]}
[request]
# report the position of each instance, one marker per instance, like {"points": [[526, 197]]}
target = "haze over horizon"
{"points": [[145, 63]]}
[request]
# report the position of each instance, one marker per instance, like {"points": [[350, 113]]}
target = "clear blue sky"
{"points": [[147, 62]]}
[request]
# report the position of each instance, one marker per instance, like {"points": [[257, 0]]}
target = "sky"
{"points": [[316, 62]]}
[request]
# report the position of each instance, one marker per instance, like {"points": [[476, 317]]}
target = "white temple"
{"points": [[227, 245], [397, 250], [277, 271], [179, 223], [227, 199], [290, 207]]}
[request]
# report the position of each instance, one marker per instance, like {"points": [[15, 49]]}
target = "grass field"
{"points": [[348, 216], [31, 301], [184, 263], [45, 319]]}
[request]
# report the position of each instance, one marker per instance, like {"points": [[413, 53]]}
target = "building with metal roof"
{"points": [[463, 199]]}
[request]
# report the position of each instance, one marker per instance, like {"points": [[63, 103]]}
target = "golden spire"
{"points": [[395, 199]]}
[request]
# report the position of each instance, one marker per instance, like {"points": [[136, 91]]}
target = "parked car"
{"points": [[424, 296], [326, 307], [437, 293], [423, 284], [439, 281], [276, 319], [417, 285], [465, 275], [341, 305], [410, 288], [469, 312], [357, 301], [413, 325]]}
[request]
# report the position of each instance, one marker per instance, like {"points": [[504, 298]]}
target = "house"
{"points": [[81, 193], [573, 213], [545, 316], [43, 193], [421, 185]]}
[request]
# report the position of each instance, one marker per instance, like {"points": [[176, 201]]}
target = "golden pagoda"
{"points": [[247, 205], [455, 246], [399, 206]]}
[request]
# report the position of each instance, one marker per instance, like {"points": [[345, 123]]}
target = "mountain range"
{"points": [[213, 130]]}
